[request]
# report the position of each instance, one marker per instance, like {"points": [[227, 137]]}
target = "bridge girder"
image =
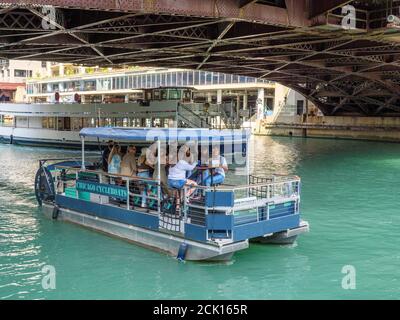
{"points": [[342, 72]]}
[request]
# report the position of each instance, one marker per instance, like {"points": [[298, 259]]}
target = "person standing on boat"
{"points": [[114, 160], [177, 174], [144, 171], [218, 172], [105, 154], [128, 164]]}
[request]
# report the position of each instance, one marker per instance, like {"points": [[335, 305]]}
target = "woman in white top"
{"points": [[177, 173]]}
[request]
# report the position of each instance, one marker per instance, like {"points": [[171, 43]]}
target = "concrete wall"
{"points": [[362, 128]]}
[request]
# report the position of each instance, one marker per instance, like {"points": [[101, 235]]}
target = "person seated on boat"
{"points": [[114, 162], [203, 162], [144, 171], [104, 156], [177, 173], [128, 164], [152, 161], [219, 169]]}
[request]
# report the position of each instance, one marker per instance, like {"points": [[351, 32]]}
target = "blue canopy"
{"points": [[166, 134]]}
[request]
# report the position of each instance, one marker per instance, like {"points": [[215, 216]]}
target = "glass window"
{"points": [[185, 79], [45, 122], [51, 123], [190, 78], [222, 78], [156, 95], [179, 79], [202, 78], [215, 77], [174, 94], [169, 77], [158, 80], [196, 76], [208, 78], [20, 73], [173, 79]]}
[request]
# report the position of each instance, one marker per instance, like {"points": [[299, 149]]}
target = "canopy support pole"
{"points": [[248, 165], [159, 175], [83, 153]]}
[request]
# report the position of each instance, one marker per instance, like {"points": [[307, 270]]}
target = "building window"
{"points": [[215, 77], [208, 78], [196, 76], [22, 73], [44, 64]]}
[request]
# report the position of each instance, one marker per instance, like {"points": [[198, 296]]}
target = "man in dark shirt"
{"points": [[106, 153]]}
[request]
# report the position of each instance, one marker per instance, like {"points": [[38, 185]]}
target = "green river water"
{"points": [[350, 196]]}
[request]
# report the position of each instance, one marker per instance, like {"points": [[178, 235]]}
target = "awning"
{"points": [[10, 85], [166, 134]]}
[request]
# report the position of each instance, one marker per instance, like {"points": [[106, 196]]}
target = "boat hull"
{"points": [[158, 241]]}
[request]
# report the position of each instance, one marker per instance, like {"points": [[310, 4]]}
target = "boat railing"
{"points": [[129, 190], [247, 203], [263, 199]]}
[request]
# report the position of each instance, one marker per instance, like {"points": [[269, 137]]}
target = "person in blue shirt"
{"points": [[219, 172], [114, 160]]}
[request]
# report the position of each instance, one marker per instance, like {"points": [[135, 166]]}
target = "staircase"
{"points": [[187, 118], [216, 117]]}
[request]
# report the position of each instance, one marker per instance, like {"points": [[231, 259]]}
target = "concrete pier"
{"points": [[359, 128]]}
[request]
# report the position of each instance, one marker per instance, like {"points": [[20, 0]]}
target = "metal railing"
{"points": [[251, 201], [147, 190]]}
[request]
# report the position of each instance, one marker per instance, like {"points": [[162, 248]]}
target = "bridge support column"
{"points": [[260, 103], [219, 96], [245, 103], [238, 107]]}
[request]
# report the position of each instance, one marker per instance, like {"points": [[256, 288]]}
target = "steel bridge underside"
{"points": [[298, 43]]}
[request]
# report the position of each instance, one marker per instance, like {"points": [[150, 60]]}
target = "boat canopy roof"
{"points": [[166, 134]]}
